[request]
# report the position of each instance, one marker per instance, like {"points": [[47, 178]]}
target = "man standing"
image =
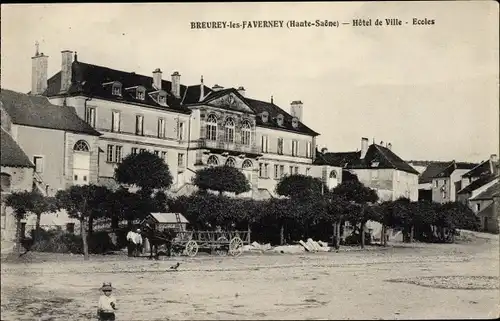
{"points": [[137, 242]]}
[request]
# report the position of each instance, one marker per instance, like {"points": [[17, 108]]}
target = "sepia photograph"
{"points": [[250, 161]]}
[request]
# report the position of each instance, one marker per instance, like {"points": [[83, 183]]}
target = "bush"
{"points": [[100, 242], [57, 241]]}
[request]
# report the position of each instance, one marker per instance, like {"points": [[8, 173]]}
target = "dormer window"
{"points": [[295, 122], [162, 98], [279, 120], [117, 89], [140, 93], [265, 117]]}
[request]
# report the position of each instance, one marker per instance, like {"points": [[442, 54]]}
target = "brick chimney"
{"points": [[364, 146], [67, 59], [157, 78], [176, 84], [39, 66], [241, 90], [296, 109]]}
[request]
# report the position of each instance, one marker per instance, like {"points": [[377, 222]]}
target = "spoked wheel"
{"points": [[191, 248], [236, 246], [221, 243]]}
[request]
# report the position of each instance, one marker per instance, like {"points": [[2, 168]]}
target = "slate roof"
{"points": [[432, 169], [375, 154], [488, 194], [484, 168], [452, 166], [37, 111], [12, 155], [485, 179], [88, 79]]}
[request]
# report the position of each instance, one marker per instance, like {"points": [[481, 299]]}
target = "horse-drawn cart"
{"points": [[171, 236]]}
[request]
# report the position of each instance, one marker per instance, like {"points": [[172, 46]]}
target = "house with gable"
{"points": [[486, 205], [62, 148], [189, 126], [427, 169], [448, 181], [478, 179]]}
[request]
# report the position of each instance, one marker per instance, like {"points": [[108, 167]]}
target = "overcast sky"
{"points": [[432, 91]]}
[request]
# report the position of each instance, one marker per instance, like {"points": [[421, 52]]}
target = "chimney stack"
{"points": [[364, 146], [296, 109], [67, 59], [157, 78], [39, 67], [324, 150], [217, 87], [389, 146], [241, 90], [176, 84], [202, 89], [494, 158]]}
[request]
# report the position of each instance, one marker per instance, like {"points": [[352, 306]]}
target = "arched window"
{"points": [[5, 181], [212, 127], [213, 161], [81, 146], [333, 174], [245, 133], [247, 164], [229, 130], [231, 162]]}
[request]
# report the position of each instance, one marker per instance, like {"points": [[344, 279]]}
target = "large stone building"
{"points": [[190, 127]]}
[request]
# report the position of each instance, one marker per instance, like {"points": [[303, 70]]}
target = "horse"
{"points": [[157, 238]]}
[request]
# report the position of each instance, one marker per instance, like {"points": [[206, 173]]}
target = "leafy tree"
{"points": [[144, 170], [300, 186], [128, 206], [81, 202], [41, 204], [21, 203], [359, 197], [221, 179]]}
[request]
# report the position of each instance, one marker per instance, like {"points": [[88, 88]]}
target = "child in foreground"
{"points": [[107, 303]]}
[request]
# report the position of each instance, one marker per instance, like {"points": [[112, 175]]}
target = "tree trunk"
{"points": [[411, 234], [384, 235], [249, 237], [334, 234], [37, 227], [83, 234], [363, 234], [17, 247], [282, 234], [91, 225], [339, 235]]}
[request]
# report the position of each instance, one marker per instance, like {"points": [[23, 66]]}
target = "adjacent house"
{"points": [[486, 205], [189, 126], [448, 182], [62, 148], [427, 169], [478, 179]]}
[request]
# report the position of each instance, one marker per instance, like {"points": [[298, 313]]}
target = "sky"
{"points": [[432, 91]]}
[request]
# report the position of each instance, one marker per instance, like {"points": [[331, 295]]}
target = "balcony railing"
{"points": [[230, 147]]}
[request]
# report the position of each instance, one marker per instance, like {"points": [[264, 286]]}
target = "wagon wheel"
{"points": [[220, 250], [235, 246], [191, 248]]}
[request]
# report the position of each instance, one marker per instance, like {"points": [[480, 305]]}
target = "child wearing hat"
{"points": [[107, 303]]}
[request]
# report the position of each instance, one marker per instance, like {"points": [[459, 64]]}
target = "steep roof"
{"points": [[12, 155], [488, 194], [377, 157], [452, 166], [168, 218], [273, 110], [485, 168], [485, 179], [37, 111], [432, 169]]}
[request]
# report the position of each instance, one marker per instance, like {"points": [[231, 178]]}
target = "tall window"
{"points": [[161, 128], [247, 164], [38, 161], [263, 170], [118, 154], [231, 162], [295, 147], [229, 130], [5, 182], [264, 144], [142, 150], [114, 154], [134, 150], [139, 125], [245, 133], [291, 170], [212, 161], [212, 127], [115, 121], [180, 131], [296, 170], [164, 156], [157, 153], [308, 149], [109, 153], [280, 146], [276, 171], [282, 170], [90, 116], [180, 160], [81, 146]]}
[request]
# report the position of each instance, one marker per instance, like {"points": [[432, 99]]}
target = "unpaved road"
{"points": [[417, 281]]}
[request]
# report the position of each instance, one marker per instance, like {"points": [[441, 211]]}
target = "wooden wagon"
{"points": [[190, 242]]}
